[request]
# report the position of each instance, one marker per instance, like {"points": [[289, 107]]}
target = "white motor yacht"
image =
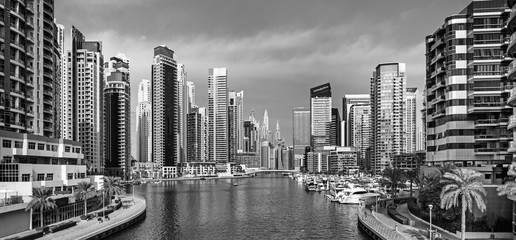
{"points": [[354, 195]]}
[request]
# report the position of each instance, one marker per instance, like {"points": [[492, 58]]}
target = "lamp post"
{"points": [[377, 203], [430, 207]]}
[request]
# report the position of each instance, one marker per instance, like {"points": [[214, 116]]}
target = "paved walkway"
{"points": [[407, 231], [85, 229], [422, 226]]}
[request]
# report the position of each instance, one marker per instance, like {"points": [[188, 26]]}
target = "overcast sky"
{"points": [[275, 50]]}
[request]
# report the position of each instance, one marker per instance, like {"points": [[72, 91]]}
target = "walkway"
{"points": [[422, 226], [85, 229]]}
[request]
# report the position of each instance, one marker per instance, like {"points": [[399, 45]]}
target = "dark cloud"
{"points": [[275, 50]]}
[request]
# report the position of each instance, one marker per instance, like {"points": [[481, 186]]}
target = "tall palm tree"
{"points": [[112, 186], [393, 178], [41, 201], [462, 184], [82, 192]]}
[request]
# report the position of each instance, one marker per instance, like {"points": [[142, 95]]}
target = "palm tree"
{"points": [[393, 178], [112, 186], [41, 201], [509, 188], [82, 191], [462, 184]]}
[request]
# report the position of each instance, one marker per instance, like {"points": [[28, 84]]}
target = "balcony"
{"points": [[437, 58], [512, 122], [511, 50], [512, 147], [439, 113], [437, 44], [511, 23], [512, 98], [488, 122], [491, 137]]}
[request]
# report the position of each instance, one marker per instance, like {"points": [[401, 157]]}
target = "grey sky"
{"points": [[275, 50]]}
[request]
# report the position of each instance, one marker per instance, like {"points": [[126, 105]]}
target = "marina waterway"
{"points": [[267, 206]]}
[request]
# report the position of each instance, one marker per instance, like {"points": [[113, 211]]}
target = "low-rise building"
{"points": [[408, 161], [198, 169]]}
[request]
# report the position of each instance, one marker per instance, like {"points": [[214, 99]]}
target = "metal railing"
{"points": [[370, 220]]}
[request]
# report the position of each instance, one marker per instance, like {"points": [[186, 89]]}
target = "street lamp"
{"points": [[430, 207], [377, 203]]}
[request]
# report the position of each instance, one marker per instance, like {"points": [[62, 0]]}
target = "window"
{"points": [[41, 146], [70, 176], [54, 148], [18, 144], [487, 176], [67, 149], [83, 175], [25, 177], [41, 177], [50, 177], [6, 143], [32, 145], [48, 147]]}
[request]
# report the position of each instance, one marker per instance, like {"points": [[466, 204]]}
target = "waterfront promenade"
{"points": [[385, 226], [119, 219]]}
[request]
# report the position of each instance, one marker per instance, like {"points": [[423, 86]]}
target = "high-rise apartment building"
{"points": [[320, 115], [29, 57], [218, 115], [335, 139], [409, 120], [184, 109], [348, 101], [190, 87], [117, 117], [300, 133], [83, 106], [420, 121], [144, 122], [203, 144], [165, 110], [387, 99], [194, 136], [235, 123], [467, 90], [360, 131]]}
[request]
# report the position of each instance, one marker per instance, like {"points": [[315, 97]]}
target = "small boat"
{"points": [[235, 184], [202, 178]]}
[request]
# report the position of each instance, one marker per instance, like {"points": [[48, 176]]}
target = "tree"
{"points": [[462, 184], [509, 188], [412, 176], [82, 191], [392, 178], [41, 201], [112, 186]]}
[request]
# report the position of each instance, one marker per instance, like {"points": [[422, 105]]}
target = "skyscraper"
{"points": [[300, 133], [360, 131], [144, 122], [320, 115], [83, 109], [348, 101], [335, 128], [165, 110], [29, 57], [409, 120], [218, 115], [235, 123], [117, 118], [190, 86], [194, 136], [387, 91], [184, 109], [467, 90], [203, 144]]}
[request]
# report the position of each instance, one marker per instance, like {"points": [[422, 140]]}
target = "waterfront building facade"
{"points": [[467, 90], [218, 115], [184, 110], [343, 160], [194, 136], [320, 115], [387, 96], [84, 105], [165, 110], [144, 122], [348, 101], [117, 118]]}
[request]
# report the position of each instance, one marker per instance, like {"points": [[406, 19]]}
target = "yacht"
{"points": [[354, 195]]}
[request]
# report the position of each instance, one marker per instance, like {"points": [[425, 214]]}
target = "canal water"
{"points": [[268, 206]]}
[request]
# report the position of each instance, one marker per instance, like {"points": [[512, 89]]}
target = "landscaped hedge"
{"points": [[397, 216]]}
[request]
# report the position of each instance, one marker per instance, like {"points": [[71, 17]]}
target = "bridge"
{"points": [[270, 171]]}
